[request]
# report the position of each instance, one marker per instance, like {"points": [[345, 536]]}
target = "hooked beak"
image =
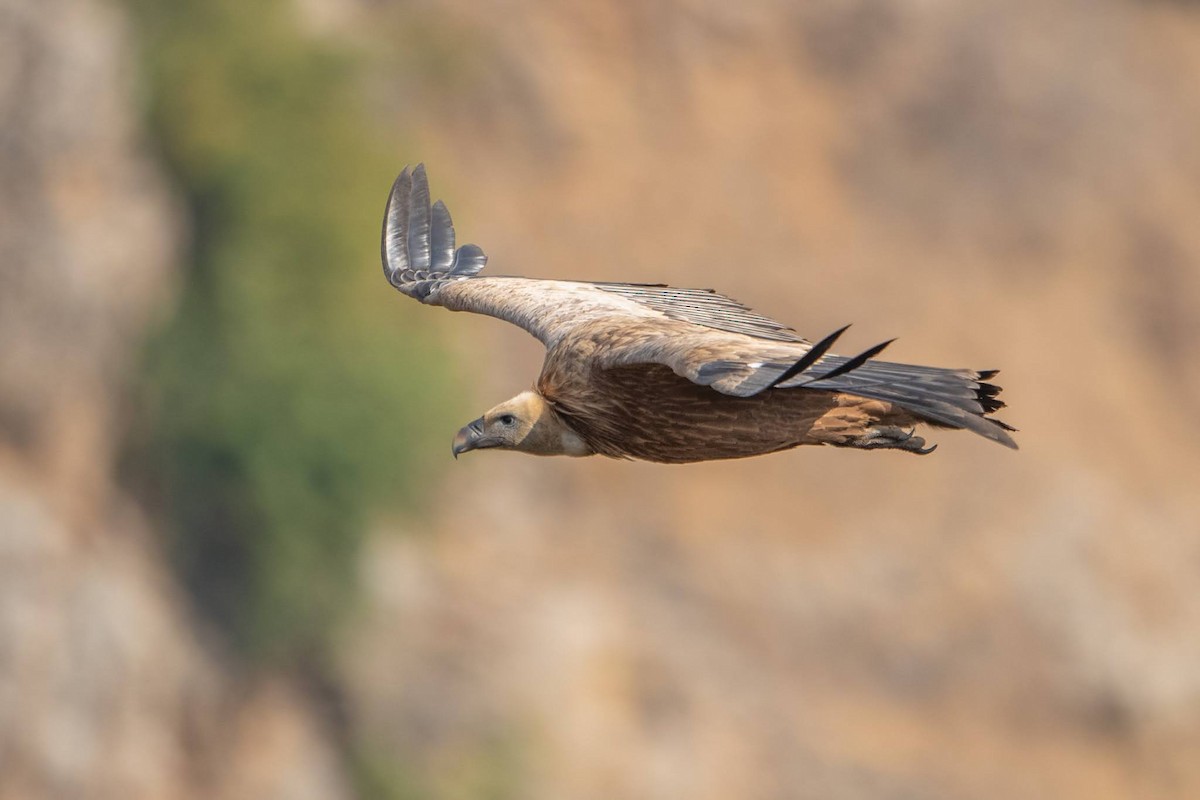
{"points": [[471, 437]]}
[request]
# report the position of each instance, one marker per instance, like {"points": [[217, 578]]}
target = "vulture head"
{"points": [[527, 424]]}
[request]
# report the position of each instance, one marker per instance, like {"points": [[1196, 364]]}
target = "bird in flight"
{"points": [[651, 372]]}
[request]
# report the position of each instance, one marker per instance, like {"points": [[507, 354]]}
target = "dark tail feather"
{"points": [[987, 394], [952, 398]]}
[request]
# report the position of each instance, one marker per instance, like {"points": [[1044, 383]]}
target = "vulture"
{"points": [[648, 371]]}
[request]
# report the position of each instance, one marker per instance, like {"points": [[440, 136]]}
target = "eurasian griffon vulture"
{"points": [[671, 375]]}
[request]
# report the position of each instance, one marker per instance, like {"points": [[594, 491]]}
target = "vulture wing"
{"points": [[703, 336], [419, 259]]}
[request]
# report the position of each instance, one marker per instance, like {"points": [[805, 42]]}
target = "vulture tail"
{"points": [[953, 398], [418, 240]]}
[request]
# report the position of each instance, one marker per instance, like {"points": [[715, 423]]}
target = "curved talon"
{"points": [[891, 437]]}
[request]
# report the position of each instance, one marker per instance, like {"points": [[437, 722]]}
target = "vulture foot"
{"points": [[892, 437]]}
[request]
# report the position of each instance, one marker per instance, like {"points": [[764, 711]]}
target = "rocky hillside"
{"points": [[107, 688]]}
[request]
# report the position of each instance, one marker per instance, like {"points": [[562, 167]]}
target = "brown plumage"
{"points": [[671, 375]]}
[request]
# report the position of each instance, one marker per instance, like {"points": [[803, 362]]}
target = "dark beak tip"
{"points": [[467, 438]]}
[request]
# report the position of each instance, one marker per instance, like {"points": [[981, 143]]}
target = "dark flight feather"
{"points": [[441, 238], [418, 222], [808, 359], [418, 240]]}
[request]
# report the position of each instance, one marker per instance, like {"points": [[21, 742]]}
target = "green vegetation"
{"points": [[287, 398], [488, 768]]}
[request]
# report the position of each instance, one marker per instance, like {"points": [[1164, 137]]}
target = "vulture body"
{"points": [[670, 375]]}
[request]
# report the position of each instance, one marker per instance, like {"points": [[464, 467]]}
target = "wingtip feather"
{"points": [[419, 220], [417, 245], [394, 242]]}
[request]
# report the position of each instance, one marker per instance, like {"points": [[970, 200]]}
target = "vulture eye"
{"points": [[507, 419]]}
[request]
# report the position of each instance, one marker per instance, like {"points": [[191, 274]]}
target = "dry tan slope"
{"points": [[999, 184], [106, 689]]}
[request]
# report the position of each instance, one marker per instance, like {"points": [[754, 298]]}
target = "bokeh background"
{"points": [[237, 561]]}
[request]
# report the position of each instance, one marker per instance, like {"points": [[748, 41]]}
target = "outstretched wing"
{"points": [[419, 259], [706, 337]]}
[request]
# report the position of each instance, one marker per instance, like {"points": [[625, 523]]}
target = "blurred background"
{"points": [[237, 560]]}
